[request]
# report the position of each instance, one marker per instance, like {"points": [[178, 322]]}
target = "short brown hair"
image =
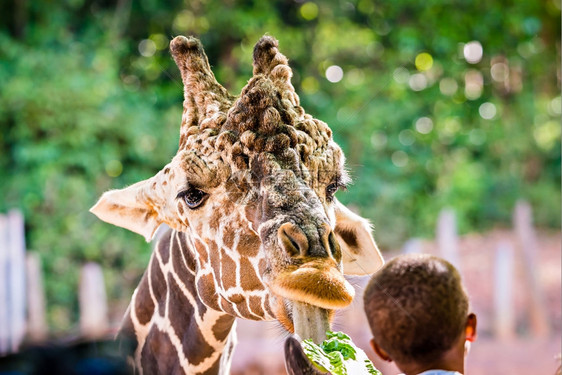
{"points": [[417, 308]]}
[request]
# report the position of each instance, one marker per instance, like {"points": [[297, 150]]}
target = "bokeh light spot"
{"points": [[555, 107], [477, 137], [160, 40], [183, 20], [354, 78], [366, 6], [499, 72], [423, 61], [378, 140], [406, 137], [345, 114], [147, 47], [417, 82], [451, 126], [310, 85], [473, 52], [309, 11], [334, 73], [113, 168], [147, 143], [547, 134], [448, 86], [399, 158], [487, 110], [424, 125], [401, 75], [473, 84]]}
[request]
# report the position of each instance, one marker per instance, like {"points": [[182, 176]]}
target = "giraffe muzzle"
{"points": [[314, 277]]}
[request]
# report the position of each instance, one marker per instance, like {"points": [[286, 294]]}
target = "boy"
{"points": [[418, 313]]}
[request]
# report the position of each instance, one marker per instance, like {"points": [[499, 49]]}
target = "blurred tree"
{"points": [[435, 103]]}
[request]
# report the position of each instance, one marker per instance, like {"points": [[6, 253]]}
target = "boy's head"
{"points": [[417, 309]]}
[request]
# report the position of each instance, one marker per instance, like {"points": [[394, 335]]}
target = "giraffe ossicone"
{"points": [[256, 231]]}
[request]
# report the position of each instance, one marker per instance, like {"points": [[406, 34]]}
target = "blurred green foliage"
{"points": [[90, 100]]}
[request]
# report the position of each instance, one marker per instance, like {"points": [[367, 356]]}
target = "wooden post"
{"points": [[504, 310], [523, 224], [447, 237], [12, 281], [4, 282], [412, 246], [36, 317], [16, 237], [93, 302]]}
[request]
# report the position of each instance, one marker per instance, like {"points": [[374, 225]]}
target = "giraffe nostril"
{"points": [[329, 241], [334, 246], [293, 239], [294, 244]]}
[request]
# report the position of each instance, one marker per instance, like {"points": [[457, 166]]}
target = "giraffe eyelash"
{"points": [[192, 196]]}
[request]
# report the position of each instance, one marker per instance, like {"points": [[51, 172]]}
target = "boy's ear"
{"points": [[380, 352], [470, 330], [361, 255], [132, 208]]}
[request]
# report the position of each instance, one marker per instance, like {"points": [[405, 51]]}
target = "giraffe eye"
{"points": [[331, 191], [193, 197]]}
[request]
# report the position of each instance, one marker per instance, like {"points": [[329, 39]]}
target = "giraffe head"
{"points": [[252, 187]]}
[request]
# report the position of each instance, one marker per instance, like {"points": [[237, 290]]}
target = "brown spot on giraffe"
{"points": [[228, 238], [228, 270], [255, 305], [222, 326], [206, 291], [144, 306], [245, 242], [202, 251], [227, 307], [249, 280], [157, 285], [157, 355], [165, 254]]}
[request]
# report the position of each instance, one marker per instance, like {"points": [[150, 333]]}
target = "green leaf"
{"points": [[338, 355]]}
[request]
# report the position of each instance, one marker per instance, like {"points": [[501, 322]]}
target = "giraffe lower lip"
{"points": [[316, 284]]}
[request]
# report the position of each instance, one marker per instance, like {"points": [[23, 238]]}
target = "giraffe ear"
{"points": [[361, 255], [130, 208]]}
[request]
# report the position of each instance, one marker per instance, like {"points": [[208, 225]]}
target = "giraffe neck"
{"points": [[173, 332]]}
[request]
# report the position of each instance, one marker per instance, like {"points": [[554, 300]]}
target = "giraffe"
{"points": [[255, 229]]}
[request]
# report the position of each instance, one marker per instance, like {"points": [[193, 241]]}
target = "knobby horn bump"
{"points": [[204, 97]]}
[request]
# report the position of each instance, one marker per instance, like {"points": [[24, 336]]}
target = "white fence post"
{"points": [[93, 302], [17, 277], [504, 317], [12, 281], [523, 224], [36, 317], [4, 282], [447, 237]]}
